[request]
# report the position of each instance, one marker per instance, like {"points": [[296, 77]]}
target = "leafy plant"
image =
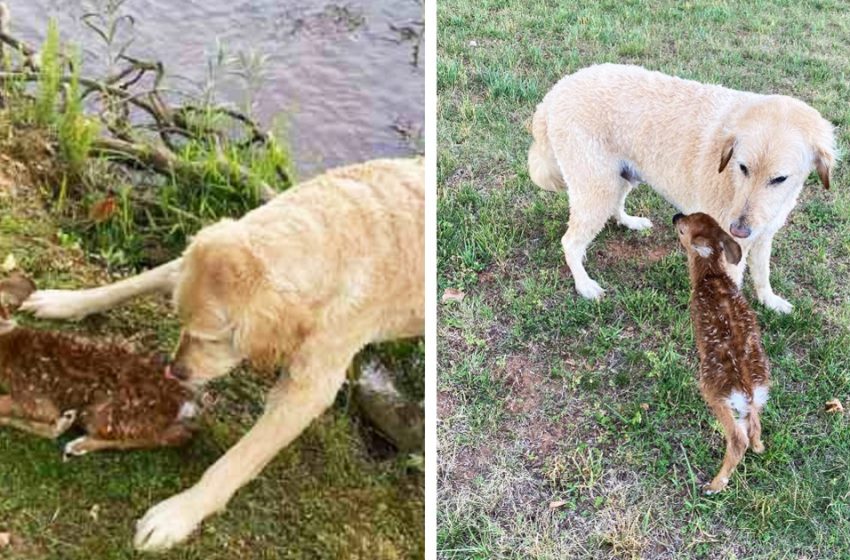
{"points": [[50, 78], [75, 131]]}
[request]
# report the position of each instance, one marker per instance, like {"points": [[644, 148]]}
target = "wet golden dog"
{"points": [[303, 282], [734, 372], [740, 157]]}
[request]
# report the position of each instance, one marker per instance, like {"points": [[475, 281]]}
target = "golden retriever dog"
{"points": [[303, 282], [740, 157]]}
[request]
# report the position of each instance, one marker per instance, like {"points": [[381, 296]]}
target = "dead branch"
{"points": [[165, 162], [30, 54], [116, 96]]}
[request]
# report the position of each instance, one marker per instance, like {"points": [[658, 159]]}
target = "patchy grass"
{"points": [[547, 398], [328, 495]]}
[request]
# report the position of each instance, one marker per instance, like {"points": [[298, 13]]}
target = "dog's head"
{"points": [[705, 241], [769, 149], [228, 309]]}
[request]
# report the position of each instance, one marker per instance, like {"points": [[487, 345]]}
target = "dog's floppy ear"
{"points": [[730, 248], [823, 149], [726, 153], [824, 160]]}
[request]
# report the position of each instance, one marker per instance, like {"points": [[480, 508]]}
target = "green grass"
{"points": [[545, 397], [335, 493]]}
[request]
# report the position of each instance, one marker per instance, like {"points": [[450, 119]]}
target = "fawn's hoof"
{"points": [[75, 448], [715, 486]]}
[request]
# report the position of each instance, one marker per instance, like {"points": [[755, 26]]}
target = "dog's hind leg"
{"points": [[631, 222], [76, 304], [590, 207]]}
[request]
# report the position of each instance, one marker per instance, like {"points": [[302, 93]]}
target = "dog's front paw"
{"points": [[56, 304], [590, 289], [168, 523], [778, 304]]}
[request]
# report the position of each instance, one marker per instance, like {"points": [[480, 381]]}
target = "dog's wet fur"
{"points": [[734, 372], [54, 381]]}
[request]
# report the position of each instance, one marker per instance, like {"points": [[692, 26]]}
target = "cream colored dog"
{"points": [[303, 282], [740, 157]]}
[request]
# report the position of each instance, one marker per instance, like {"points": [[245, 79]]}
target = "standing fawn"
{"points": [[734, 372]]}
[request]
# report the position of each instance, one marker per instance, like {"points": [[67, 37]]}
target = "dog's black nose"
{"points": [[678, 217], [740, 230]]}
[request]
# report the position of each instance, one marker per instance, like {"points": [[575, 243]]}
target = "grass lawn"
{"points": [[334, 493], [574, 429]]}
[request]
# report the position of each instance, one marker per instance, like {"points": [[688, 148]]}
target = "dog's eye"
{"points": [[777, 180], [744, 170]]}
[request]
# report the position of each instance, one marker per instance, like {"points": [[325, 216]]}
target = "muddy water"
{"points": [[337, 73]]}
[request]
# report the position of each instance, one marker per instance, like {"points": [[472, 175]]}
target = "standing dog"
{"points": [[734, 371], [303, 282], [740, 157]]}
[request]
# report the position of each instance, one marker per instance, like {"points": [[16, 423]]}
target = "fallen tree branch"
{"points": [[166, 162], [29, 53]]}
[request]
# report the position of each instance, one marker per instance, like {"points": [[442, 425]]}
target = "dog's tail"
{"points": [[542, 166]]}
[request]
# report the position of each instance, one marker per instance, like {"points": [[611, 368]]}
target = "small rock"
{"points": [[644, 406], [473, 43], [453, 294], [400, 420], [10, 264]]}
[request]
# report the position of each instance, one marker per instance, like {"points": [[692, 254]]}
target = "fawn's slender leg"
{"points": [[44, 424], [736, 444], [754, 430], [174, 436]]}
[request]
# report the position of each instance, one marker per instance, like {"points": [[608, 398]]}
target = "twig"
{"points": [[165, 162]]}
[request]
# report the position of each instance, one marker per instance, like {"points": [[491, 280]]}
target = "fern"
{"points": [[50, 77], [76, 132]]}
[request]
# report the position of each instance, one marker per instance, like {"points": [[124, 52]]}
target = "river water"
{"points": [[343, 79]]}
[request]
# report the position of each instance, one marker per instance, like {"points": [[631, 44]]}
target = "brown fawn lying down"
{"points": [[54, 381], [734, 372]]}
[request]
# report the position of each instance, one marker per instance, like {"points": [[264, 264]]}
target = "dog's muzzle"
{"points": [[740, 230]]}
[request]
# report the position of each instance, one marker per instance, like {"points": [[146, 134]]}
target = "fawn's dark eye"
{"points": [[744, 170], [777, 180]]}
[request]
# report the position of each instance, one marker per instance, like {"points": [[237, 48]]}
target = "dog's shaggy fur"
{"points": [[53, 381], [303, 282], [740, 157], [734, 372]]}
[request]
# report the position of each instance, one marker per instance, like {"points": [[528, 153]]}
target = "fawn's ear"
{"points": [[702, 246], [730, 248]]}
